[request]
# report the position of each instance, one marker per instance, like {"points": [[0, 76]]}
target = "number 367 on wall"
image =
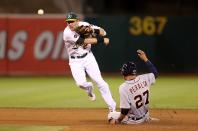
{"points": [[148, 25]]}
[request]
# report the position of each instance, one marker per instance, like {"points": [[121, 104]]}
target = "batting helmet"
{"points": [[71, 16], [128, 68]]}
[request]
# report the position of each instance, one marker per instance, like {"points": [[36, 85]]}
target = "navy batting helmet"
{"points": [[128, 68], [71, 16]]}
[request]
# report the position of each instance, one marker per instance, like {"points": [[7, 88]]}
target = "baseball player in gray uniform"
{"points": [[134, 93], [82, 60]]}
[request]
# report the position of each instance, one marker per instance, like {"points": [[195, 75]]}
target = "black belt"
{"points": [[78, 57], [138, 118]]}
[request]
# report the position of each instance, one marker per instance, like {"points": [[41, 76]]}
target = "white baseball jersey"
{"points": [[134, 95], [82, 61], [70, 38]]}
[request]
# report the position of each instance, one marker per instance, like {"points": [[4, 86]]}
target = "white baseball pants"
{"points": [[88, 63]]}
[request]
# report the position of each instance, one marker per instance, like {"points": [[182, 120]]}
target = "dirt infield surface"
{"points": [[95, 119]]}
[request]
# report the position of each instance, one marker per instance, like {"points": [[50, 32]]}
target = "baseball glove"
{"points": [[84, 31]]}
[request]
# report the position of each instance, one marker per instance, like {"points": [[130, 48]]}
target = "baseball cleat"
{"points": [[91, 95]]}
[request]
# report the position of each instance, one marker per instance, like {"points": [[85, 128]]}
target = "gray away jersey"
{"points": [[134, 94]]}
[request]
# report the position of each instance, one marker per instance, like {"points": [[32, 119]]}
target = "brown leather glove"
{"points": [[84, 31]]}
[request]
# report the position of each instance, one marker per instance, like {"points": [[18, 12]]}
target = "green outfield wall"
{"points": [[170, 42]]}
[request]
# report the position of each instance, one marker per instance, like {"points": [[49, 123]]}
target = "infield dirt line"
{"points": [[96, 119]]}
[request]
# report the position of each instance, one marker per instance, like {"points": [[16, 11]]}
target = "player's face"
{"points": [[72, 24]]}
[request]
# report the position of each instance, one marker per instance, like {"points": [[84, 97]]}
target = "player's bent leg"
{"points": [[88, 87], [93, 71], [79, 76]]}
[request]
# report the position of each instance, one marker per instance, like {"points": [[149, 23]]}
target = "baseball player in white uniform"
{"points": [[82, 60], [134, 93]]}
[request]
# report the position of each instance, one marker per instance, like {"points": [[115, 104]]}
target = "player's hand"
{"points": [[106, 41], [142, 55], [112, 121], [102, 32]]}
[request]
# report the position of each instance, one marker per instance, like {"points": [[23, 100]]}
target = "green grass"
{"points": [[175, 92], [61, 92]]}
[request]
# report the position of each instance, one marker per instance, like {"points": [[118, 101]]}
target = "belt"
{"points": [[78, 57], [138, 118]]}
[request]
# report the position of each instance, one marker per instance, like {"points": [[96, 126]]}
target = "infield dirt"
{"points": [[96, 119]]}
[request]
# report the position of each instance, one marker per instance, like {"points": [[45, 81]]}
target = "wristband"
{"points": [[100, 39]]}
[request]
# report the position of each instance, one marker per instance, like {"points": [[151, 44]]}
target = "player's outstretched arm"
{"points": [[151, 67], [96, 40]]}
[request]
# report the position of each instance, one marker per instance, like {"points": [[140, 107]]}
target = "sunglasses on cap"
{"points": [[70, 22]]}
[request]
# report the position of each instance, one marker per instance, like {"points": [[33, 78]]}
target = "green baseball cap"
{"points": [[71, 16]]}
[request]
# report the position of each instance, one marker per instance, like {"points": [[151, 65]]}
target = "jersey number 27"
{"points": [[139, 99]]}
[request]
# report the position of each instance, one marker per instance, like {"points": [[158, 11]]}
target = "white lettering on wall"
{"points": [[58, 46], [44, 40], [17, 45], [2, 44], [59, 49], [46, 46]]}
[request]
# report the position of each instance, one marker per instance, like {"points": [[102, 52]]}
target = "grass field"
{"points": [[61, 92], [178, 92]]}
